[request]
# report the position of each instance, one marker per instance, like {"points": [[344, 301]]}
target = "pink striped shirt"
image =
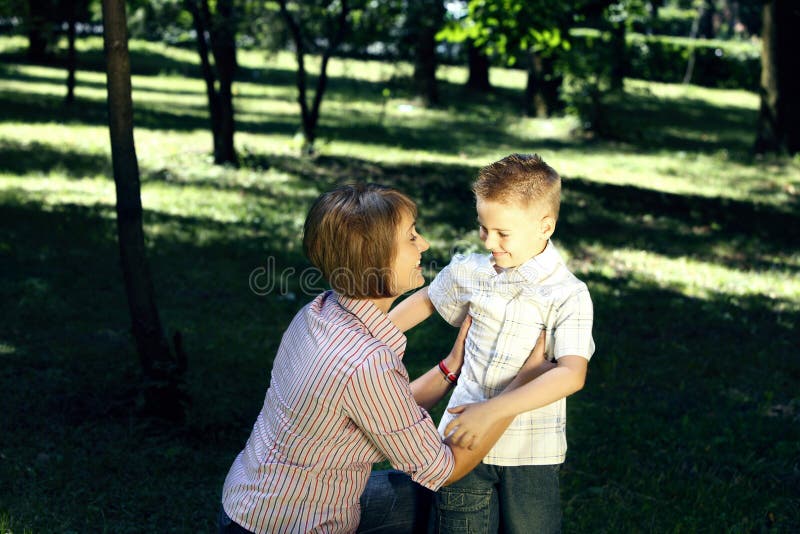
{"points": [[339, 400]]}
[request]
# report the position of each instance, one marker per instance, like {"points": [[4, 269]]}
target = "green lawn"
{"points": [[690, 419]]}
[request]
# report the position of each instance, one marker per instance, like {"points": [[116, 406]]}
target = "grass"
{"points": [[690, 247]]}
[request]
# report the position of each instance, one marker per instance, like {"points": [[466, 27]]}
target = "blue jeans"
{"points": [[226, 525], [391, 504], [493, 498]]}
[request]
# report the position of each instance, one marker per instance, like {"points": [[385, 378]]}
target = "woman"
{"points": [[339, 398]]}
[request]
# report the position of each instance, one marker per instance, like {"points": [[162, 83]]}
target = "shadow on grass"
{"points": [[682, 399], [143, 62], [729, 232], [640, 118], [56, 78], [733, 233], [33, 158], [679, 388], [447, 137], [681, 124]]}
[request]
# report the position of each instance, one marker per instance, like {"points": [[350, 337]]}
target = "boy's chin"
{"points": [[505, 262]]}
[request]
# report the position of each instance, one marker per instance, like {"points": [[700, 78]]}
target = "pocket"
{"points": [[463, 510]]}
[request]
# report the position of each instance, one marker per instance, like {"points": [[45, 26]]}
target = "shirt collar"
{"points": [[536, 269], [377, 323]]}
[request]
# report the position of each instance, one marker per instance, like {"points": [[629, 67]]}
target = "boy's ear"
{"points": [[548, 226]]}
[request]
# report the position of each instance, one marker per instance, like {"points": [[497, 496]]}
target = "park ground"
{"points": [[690, 418]]}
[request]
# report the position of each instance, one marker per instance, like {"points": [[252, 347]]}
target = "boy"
{"points": [[523, 287]]}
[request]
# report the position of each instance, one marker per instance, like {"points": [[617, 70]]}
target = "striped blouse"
{"points": [[339, 400]]}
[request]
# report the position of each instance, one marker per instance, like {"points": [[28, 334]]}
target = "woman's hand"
{"points": [[470, 426], [537, 356], [474, 420], [455, 359]]}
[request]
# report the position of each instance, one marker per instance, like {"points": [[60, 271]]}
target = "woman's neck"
{"points": [[383, 304]]}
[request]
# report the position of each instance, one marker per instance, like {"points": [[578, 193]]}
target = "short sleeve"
{"points": [[448, 295], [572, 332], [379, 401]]}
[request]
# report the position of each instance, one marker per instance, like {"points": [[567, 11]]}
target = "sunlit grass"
{"points": [[686, 242], [702, 279]]}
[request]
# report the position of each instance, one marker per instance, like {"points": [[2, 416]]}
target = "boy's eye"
{"points": [[501, 234]]}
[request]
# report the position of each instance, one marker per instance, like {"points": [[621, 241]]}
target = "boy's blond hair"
{"points": [[520, 179]]}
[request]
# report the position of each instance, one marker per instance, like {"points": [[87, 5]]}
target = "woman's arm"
{"points": [[468, 457], [412, 310], [566, 378]]}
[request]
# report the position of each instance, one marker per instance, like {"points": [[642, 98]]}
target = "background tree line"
{"points": [[576, 56], [568, 67]]}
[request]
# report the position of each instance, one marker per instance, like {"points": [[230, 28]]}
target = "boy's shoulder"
{"points": [[558, 280], [470, 262]]}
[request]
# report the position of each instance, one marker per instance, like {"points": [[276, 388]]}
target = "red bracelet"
{"points": [[448, 375]]}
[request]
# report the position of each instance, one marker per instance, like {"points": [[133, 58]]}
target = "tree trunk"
{"points": [[478, 69], [71, 56], [426, 17], [779, 114], [541, 90], [310, 114], [707, 13], [163, 372], [39, 32], [205, 64], [223, 47], [425, 66], [653, 18], [618, 57]]}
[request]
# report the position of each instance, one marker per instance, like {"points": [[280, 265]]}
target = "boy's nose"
{"points": [[489, 242]]}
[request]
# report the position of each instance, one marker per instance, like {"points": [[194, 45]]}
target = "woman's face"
{"points": [[406, 268]]}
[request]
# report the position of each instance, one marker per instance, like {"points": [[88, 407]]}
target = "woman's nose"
{"points": [[422, 244]]}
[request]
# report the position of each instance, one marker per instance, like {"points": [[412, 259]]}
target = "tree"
{"points": [[40, 28], [73, 12], [779, 114], [163, 371], [478, 64], [311, 23], [424, 19], [532, 31], [221, 29]]}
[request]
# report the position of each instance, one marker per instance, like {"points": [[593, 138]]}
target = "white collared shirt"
{"points": [[508, 311]]}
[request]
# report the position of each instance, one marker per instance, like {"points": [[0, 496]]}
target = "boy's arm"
{"points": [[412, 310], [567, 377]]}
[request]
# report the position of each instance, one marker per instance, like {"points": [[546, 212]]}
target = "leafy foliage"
{"points": [[508, 28]]}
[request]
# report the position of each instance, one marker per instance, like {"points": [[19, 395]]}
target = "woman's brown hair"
{"points": [[350, 235]]}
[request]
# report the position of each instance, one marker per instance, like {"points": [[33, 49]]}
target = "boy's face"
{"points": [[514, 233]]}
